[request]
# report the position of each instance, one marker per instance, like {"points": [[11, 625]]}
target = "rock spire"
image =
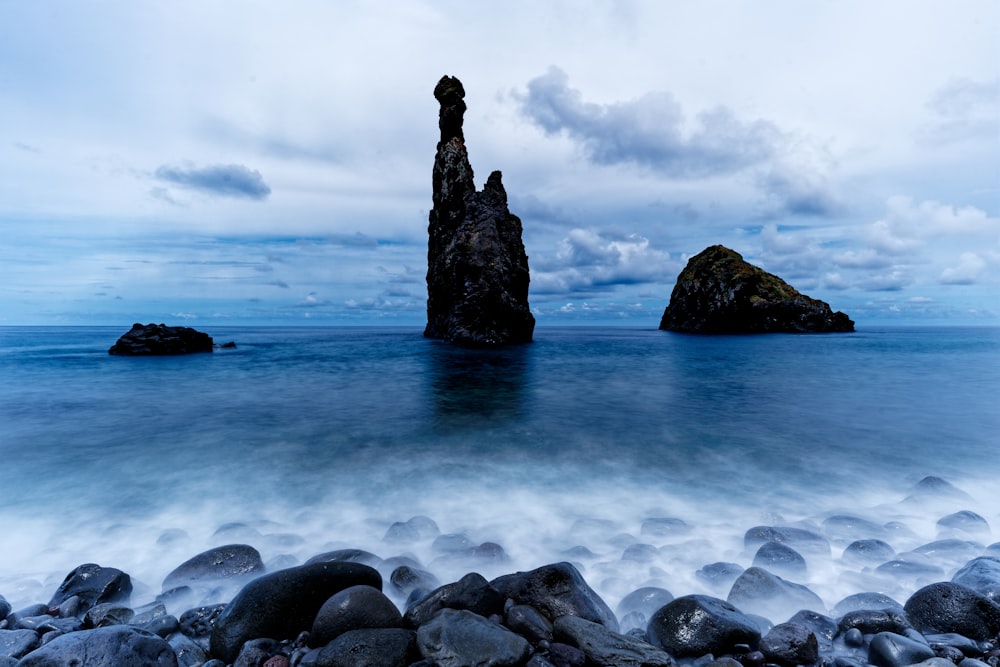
{"points": [[719, 292], [477, 270]]}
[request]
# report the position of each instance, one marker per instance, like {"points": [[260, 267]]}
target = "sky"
{"points": [[264, 162]]}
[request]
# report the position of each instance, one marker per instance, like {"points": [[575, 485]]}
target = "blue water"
{"points": [[317, 437]]}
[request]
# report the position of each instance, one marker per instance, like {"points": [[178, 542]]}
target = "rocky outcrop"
{"points": [[718, 292], [157, 339], [477, 270]]}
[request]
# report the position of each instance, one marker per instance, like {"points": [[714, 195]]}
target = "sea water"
{"points": [[304, 440]]}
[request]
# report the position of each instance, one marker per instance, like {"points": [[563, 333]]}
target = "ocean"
{"points": [[303, 440]]}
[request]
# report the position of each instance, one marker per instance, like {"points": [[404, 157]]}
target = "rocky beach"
{"points": [[923, 594]]}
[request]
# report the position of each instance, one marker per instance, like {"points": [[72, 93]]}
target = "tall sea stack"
{"points": [[477, 270]]}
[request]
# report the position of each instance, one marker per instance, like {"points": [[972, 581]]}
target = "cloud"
{"points": [[796, 190], [964, 109], [224, 180], [649, 131], [969, 270], [588, 261]]}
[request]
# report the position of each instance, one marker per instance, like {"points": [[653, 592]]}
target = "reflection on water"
{"points": [[470, 387]]}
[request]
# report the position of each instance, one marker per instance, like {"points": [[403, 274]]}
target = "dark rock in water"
{"points": [[847, 527], [718, 292], [93, 584], [413, 529], [949, 607], [780, 559], [282, 604], [602, 646], [529, 623], [189, 653], [911, 569], [802, 540], [873, 621], [199, 622], [232, 560], [354, 608], [950, 551], [556, 590], [107, 613], [477, 270], [346, 556], [17, 643], [888, 649], [964, 522], [694, 625], [460, 637], [757, 591], [790, 644], [381, 647], [116, 646], [645, 600], [936, 488], [405, 579], [5, 607], [981, 575], [865, 601], [472, 592], [159, 339], [869, 552], [720, 575]]}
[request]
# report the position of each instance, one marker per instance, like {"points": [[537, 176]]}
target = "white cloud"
{"points": [[969, 270]]}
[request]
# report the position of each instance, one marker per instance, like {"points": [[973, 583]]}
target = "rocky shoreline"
{"points": [[225, 606]]}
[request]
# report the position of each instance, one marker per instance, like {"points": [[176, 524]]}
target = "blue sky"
{"points": [[270, 163]]}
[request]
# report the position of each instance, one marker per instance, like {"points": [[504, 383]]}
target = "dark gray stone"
{"points": [[5, 607], [981, 575], [802, 540], [456, 637], [694, 625], [664, 527], [602, 646], [790, 644], [199, 622], [780, 559], [477, 270], [16, 643], [371, 647], [720, 575], [846, 527], [115, 646], [159, 339], [556, 590], [757, 591], [949, 607], [189, 653], [719, 292], [645, 600], [869, 552], [529, 623], [965, 522], [472, 592], [354, 608], [283, 603], [405, 579], [229, 561], [107, 613], [346, 556], [873, 621], [888, 649], [93, 584]]}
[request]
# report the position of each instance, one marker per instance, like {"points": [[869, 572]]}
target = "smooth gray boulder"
{"points": [[115, 646]]}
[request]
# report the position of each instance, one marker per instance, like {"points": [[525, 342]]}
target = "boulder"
{"points": [[948, 607], [602, 646], [354, 608], [790, 644], [718, 292], [981, 575], [159, 339], [370, 647], [888, 649], [114, 646], [93, 584], [556, 590], [477, 270], [231, 560], [694, 625], [780, 559], [460, 637], [472, 592], [282, 604], [757, 591]]}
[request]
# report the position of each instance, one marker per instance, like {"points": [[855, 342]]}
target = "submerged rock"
{"points": [[159, 339], [718, 292], [477, 270]]}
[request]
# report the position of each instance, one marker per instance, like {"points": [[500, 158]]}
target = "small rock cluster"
{"points": [[349, 607]]}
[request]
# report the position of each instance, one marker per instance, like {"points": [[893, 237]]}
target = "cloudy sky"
{"points": [[270, 163]]}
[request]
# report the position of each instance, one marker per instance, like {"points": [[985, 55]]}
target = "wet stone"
{"points": [[602, 646], [694, 625], [113, 646], [354, 608], [758, 591], [472, 592], [556, 590], [947, 607], [460, 637], [16, 643], [372, 647], [888, 649], [93, 584], [780, 559], [869, 552], [790, 644]]}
